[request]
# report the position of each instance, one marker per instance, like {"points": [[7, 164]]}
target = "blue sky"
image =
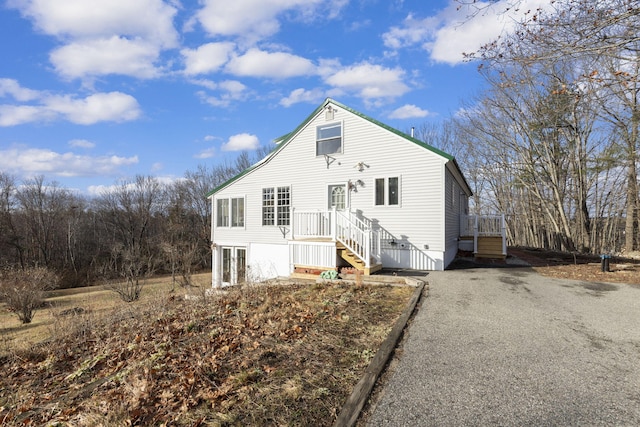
{"points": [[95, 91]]}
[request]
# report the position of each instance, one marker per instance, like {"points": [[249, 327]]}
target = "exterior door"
{"points": [[226, 266], [337, 197], [234, 265], [241, 265]]}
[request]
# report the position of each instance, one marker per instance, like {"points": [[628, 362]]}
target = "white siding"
{"points": [[418, 222], [267, 261], [456, 201]]}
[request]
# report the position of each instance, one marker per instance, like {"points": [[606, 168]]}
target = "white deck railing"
{"points": [[354, 233], [311, 224], [483, 225]]}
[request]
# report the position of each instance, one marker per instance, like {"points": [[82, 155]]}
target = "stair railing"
{"points": [[354, 234]]}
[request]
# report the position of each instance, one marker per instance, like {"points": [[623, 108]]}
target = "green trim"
{"points": [[392, 130], [284, 139]]}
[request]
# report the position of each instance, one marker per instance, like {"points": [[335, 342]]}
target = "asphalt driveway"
{"points": [[506, 346]]}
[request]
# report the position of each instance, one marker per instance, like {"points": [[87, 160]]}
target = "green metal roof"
{"points": [[282, 141]]}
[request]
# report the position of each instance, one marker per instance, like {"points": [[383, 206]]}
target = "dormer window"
{"points": [[329, 139]]}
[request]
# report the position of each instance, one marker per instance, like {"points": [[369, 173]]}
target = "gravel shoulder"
{"points": [[507, 346]]}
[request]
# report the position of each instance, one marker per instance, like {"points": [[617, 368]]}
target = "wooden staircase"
{"points": [[357, 263], [490, 247]]}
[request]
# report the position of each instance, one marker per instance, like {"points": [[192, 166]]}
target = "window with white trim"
{"points": [[222, 212], [329, 139], [268, 206], [230, 212], [276, 206], [387, 191], [237, 212], [284, 206]]}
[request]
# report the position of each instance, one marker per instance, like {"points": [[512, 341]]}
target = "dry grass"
{"points": [[256, 355], [92, 300]]}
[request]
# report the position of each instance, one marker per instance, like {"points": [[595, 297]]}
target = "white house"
{"points": [[341, 189]]}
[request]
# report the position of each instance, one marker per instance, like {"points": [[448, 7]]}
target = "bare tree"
{"points": [[131, 213], [11, 242], [535, 134], [43, 208], [602, 40]]}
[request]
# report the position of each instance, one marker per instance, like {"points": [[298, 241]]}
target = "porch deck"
{"points": [[321, 239], [487, 233]]}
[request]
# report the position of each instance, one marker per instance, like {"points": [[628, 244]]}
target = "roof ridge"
{"points": [[282, 140]]}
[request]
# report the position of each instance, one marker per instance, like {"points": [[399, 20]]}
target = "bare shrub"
{"points": [[24, 290], [134, 268]]}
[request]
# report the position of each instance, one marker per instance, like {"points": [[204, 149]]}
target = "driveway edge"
{"points": [[354, 404]]}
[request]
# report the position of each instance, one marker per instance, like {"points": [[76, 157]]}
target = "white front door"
{"points": [[337, 197]]}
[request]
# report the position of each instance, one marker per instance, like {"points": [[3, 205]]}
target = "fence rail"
{"points": [[484, 226]]}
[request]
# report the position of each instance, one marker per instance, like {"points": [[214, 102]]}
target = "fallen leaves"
{"points": [[255, 355]]}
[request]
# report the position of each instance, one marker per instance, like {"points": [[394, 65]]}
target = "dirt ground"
{"points": [[578, 266]]}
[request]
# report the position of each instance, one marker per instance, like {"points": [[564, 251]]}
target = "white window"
{"points": [[237, 212], [230, 212], [268, 206], [329, 139], [284, 205], [276, 206], [223, 212], [387, 191]]}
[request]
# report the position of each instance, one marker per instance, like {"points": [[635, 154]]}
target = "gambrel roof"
{"points": [[284, 139]]}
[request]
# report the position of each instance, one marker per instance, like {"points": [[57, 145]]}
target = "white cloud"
{"points": [[229, 91], [259, 63], [206, 58], [370, 81], [98, 107], [81, 143], [206, 153], [12, 115], [232, 86], [151, 20], [412, 32], [11, 87], [241, 141], [256, 19], [33, 161], [302, 95], [457, 29], [408, 111], [104, 37], [114, 55], [209, 84]]}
